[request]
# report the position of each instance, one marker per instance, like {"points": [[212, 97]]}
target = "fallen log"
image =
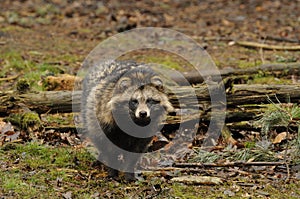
{"points": [[40, 102], [68, 101], [241, 94], [277, 70], [236, 114]]}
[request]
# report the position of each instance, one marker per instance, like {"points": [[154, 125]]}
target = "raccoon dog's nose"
{"points": [[143, 114]]}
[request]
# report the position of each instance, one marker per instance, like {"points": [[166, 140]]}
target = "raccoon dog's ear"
{"points": [[157, 82], [124, 83]]}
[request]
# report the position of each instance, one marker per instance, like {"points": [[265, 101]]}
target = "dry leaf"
{"points": [[67, 195], [7, 132], [5, 126], [279, 138]]}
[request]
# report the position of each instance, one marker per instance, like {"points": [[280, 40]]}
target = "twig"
{"points": [[285, 154], [282, 39], [9, 78], [266, 46], [262, 57], [229, 164], [158, 170], [212, 38]]}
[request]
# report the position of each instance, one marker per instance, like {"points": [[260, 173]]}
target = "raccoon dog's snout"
{"points": [[142, 114]]}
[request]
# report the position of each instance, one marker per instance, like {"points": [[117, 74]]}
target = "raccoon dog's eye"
{"points": [[152, 101], [133, 102]]}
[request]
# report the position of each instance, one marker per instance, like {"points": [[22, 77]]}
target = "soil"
{"points": [[49, 31]]}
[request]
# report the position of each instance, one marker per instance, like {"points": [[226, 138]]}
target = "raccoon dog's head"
{"points": [[141, 94]]}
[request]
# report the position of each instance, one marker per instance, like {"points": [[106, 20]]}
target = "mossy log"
{"points": [[277, 70], [242, 94], [63, 101], [40, 102]]}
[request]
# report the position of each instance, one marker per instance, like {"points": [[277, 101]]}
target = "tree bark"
{"points": [[278, 70], [41, 102], [61, 101]]}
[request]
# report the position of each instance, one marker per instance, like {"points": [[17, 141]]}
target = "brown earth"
{"points": [[53, 31]]}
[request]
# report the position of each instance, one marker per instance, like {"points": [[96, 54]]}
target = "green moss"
{"points": [[24, 120], [46, 10], [14, 184], [69, 58], [167, 62], [29, 119], [32, 72], [282, 190], [248, 64], [23, 86], [11, 28], [38, 169], [259, 79], [34, 80], [250, 145], [185, 191], [59, 119], [14, 61], [38, 71], [285, 59], [165, 59]]}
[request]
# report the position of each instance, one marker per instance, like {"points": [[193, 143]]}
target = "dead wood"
{"points": [[9, 78], [41, 102], [278, 70], [61, 101], [266, 46]]}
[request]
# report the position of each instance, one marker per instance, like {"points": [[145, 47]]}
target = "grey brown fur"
{"points": [[123, 104]]}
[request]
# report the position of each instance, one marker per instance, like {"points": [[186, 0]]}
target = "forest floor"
{"points": [[39, 38]]}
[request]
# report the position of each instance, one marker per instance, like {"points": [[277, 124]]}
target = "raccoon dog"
{"points": [[123, 104]]}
